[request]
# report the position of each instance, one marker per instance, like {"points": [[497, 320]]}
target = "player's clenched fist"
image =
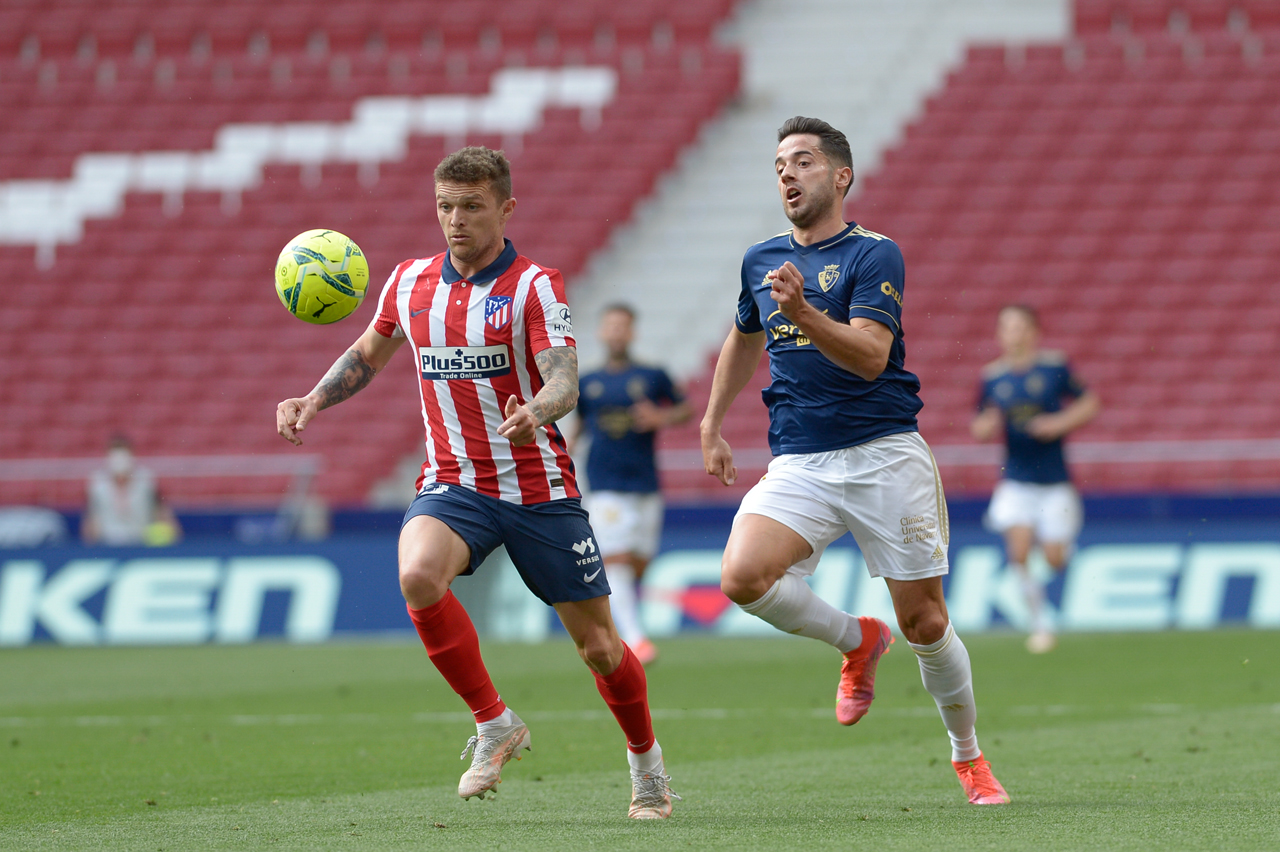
{"points": [[787, 289], [520, 427], [717, 459], [292, 417]]}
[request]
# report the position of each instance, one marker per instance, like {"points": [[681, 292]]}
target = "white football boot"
{"points": [[489, 753]]}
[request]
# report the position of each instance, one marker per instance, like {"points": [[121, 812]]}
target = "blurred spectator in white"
{"points": [[125, 507]]}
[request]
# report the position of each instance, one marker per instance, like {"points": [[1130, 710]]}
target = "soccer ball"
{"points": [[321, 276]]}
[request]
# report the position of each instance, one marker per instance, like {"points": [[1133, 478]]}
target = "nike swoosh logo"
{"points": [[590, 577], [415, 313]]}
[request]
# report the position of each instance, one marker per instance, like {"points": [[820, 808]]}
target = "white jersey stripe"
{"points": [[541, 290], [499, 447], [403, 292]]}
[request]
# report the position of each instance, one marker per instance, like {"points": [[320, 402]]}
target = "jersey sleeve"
{"points": [[665, 390], [877, 285], [1072, 386], [547, 319], [387, 323], [584, 402], [985, 398], [748, 317]]}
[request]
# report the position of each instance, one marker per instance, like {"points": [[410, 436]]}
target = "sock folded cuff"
{"points": [[764, 601], [428, 614], [622, 684], [936, 647]]}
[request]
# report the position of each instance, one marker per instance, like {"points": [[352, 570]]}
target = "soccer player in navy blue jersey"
{"points": [[1022, 396], [622, 406], [825, 300]]}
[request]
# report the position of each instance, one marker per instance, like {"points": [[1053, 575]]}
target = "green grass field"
{"points": [[1152, 741]]}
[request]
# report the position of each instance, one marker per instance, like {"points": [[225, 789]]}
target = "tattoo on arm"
{"points": [[349, 374], [559, 369]]}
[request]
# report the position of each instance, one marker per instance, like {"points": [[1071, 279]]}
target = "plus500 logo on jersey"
{"points": [[464, 362]]}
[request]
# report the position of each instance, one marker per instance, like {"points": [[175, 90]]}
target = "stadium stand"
{"points": [[1125, 182], [146, 304]]}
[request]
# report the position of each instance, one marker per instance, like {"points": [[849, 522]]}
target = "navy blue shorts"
{"points": [[551, 543]]}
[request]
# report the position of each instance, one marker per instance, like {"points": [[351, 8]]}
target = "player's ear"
{"points": [[508, 207], [844, 178]]}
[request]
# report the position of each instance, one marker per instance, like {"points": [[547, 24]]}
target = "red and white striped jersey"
{"points": [[474, 342]]}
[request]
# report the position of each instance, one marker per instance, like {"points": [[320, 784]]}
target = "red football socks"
{"points": [[451, 642], [627, 693]]}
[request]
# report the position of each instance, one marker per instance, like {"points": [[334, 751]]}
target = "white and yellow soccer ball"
{"points": [[321, 276]]}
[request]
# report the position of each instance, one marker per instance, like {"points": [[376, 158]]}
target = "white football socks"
{"points": [[792, 607], [945, 671], [1033, 591], [650, 761], [622, 601], [505, 719]]}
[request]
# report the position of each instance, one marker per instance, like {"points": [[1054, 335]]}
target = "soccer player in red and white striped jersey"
{"points": [[493, 345]]}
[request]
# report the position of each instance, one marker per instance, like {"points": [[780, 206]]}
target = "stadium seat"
{"points": [[126, 77]]}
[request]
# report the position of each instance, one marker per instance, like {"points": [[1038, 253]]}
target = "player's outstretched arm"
{"points": [[558, 367], [348, 375], [986, 423], [738, 360], [1051, 427]]}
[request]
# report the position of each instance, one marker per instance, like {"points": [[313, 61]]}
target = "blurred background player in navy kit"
{"points": [[1035, 502], [622, 406]]}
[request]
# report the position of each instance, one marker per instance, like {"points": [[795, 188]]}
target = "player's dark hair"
{"points": [[620, 307], [833, 144], [1026, 310], [477, 164]]}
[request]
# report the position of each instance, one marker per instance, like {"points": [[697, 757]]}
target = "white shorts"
{"points": [[887, 492], [1052, 511], [625, 522]]}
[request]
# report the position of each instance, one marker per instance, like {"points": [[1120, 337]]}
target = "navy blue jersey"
{"points": [[621, 458], [1021, 396], [814, 404]]}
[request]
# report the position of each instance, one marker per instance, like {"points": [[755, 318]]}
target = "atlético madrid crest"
{"points": [[497, 311]]}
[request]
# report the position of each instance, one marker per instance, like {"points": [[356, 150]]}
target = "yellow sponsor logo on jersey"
{"points": [[892, 292], [786, 331]]}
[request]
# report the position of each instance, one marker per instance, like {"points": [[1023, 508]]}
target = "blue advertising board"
{"points": [[1128, 573]]}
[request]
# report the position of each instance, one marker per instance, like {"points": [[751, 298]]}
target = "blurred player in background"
{"points": [[622, 406], [493, 346], [825, 300], [1035, 501], [124, 503]]}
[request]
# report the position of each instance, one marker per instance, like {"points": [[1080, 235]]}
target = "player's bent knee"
{"points": [[422, 584], [743, 586], [1056, 555], [923, 626], [602, 653]]}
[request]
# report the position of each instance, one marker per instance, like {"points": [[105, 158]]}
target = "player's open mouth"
{"points": [[793, 194]]}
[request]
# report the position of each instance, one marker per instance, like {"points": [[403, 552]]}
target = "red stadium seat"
{"points": [[208, 67]]}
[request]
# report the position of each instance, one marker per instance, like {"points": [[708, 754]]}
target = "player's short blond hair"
{"points": [[476, 164]]}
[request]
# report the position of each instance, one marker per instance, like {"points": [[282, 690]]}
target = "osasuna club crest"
{"points": [[497, 311], [827, 277]]}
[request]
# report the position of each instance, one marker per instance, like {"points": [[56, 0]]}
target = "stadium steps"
{"points": [[164, 297], [1123, 182]]}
